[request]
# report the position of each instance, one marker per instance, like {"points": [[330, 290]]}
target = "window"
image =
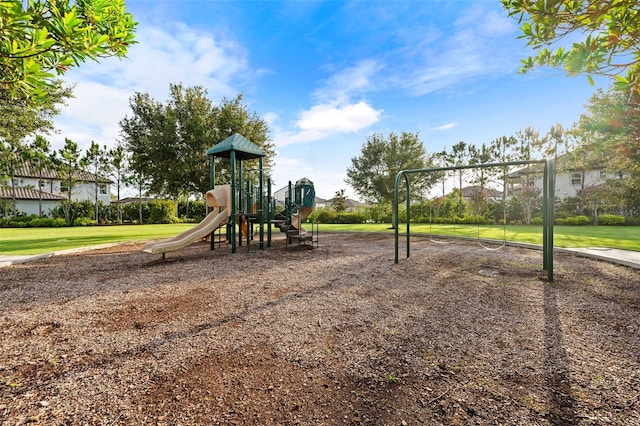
{"points": [[103, 189], [576, 178], [603, 174], [42, 184], [64, 187]]}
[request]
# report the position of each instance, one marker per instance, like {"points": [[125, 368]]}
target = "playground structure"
{"points": [[548, 200], [245, 208]]}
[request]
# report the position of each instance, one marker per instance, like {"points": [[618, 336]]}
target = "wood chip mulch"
{"points": [[340, 334]]}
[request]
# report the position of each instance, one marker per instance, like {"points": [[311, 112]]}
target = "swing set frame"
{"points": [[548, 204]]}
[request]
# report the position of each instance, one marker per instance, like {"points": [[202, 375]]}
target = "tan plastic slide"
{"points": [[296, 219], [220, 199]]}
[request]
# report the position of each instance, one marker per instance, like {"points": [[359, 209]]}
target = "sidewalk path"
{"points": [[621, 257], [14, 259]]}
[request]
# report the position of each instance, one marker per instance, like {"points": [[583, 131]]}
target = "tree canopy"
{"points": [[168, 143], [608, 32], [372, 174], [49, 37]]}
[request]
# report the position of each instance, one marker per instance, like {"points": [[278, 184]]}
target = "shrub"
{"points": [[573, 221], [58, 222], [41, 222], [632, 221], [611, 219], [536, 221], [325, 216], [162, 211], [467, 219], [17, 224], [353, 217], [84, 221], [577, 221]]}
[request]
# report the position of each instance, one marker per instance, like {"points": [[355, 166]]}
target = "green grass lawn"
{"points": [[23, 241], [621, 237], [44, 240]]}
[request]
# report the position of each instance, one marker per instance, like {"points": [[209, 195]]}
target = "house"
{"points": [[569, 181], [351, 204], [49, 188], [492, 195], [321, 203]]}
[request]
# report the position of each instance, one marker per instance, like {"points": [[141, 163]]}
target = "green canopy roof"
{"points": [[243, 147]]}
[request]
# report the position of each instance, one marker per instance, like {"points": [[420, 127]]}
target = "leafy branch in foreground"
{"points": [[608, 32], [49, 37]]}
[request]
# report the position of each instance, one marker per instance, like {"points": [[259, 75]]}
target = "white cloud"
{"points": [[473, 48], [447, 126], [166, 53], [344, 118], [350, 81], [323, 121]]}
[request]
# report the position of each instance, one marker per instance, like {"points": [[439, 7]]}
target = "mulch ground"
{"points": [[340, 334]]}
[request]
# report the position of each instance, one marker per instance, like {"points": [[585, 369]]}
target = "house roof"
{"points": [[29, 170], [348, 202], [28, 194], [128, 200], [243, 147], [468, 191]]}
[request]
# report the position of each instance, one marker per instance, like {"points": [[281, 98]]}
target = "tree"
{"points": [[372, 174], [68, 164], [609, 135], [168, 142], [18, 120], [49, 37], [96, 158], [339, 202], [524, 151], [608, 30], [40, 158], [232, 116], [12, 156], [117, 158], [460, 156]]}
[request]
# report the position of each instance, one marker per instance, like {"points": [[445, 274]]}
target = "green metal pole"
{"points": [[269, 212], [395, 213], [289, 203], [212, 172], [212, 184], [232, 220], [261, 204], [545, 217], [406, 178], [550, 217]]}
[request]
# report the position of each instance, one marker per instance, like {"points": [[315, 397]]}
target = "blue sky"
{"points": [[327, 74]]}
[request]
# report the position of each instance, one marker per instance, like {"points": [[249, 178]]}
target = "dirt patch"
{"points": [[455, 334]]}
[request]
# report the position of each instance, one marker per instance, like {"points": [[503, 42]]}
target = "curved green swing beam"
{"points": [[548, 199]]}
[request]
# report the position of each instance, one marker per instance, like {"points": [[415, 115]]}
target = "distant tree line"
{"points": [[606, 137]]}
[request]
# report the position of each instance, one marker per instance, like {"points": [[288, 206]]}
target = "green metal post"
{"points": [[232, 219], [212, 184], [289, 203], [545, 217], [550, 218], [212, 172], [240, 203], [261, 204], [406, 178], [395, 213], [269, 212]]}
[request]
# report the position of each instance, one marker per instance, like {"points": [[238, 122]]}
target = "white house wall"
{"points": [[564, 187], [79, 192], [30, 207]]}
